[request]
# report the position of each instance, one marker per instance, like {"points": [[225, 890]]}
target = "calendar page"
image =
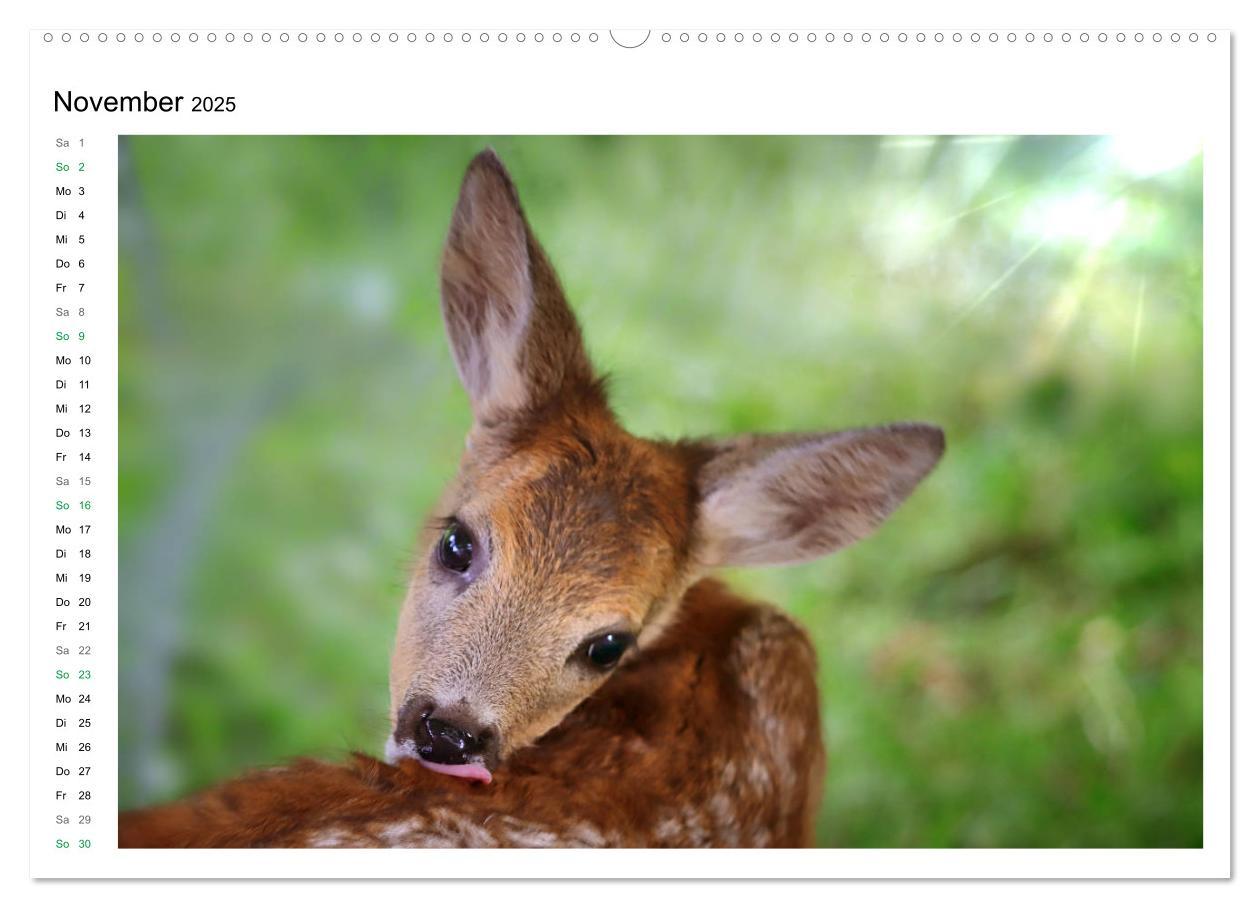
{"points": [[757, 450]]}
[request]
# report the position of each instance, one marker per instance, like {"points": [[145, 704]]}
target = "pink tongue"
{"points": [[473, 771]]}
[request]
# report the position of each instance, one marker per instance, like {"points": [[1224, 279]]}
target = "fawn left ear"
{"points": [[515, 341], [779, 499]]}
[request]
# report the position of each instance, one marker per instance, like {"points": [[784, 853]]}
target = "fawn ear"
{"points": [[515, 341], [778, 499]]}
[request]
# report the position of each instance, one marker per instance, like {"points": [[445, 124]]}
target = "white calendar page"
{"points": [[104, 97]]}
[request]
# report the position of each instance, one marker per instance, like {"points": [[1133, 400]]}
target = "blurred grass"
{"points": [[1014, 660]]}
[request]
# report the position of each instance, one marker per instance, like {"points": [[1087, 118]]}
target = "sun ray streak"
{"points": [[955, 218], [1138, 315], [997, 284]]}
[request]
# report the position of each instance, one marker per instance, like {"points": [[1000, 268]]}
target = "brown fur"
{"points": [[711, 738]]}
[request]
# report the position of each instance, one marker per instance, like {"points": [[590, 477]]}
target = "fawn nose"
{"points": [[441, 742], [443, 736]]}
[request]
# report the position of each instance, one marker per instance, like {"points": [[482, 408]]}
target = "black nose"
{"points": [[439, 741]]}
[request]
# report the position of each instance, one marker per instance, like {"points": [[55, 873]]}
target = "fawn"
{"points": [[558, 636]]}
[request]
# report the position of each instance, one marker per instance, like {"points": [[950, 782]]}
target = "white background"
{"points": [[867, 107]]}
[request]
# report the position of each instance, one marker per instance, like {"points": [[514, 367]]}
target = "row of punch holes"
{"points": [[630, 39]]}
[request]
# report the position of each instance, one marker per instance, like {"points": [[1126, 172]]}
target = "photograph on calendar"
{"points": [[660, 491]]}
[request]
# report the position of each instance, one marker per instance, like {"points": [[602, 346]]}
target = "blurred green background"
{"points": [[1014, 660]]}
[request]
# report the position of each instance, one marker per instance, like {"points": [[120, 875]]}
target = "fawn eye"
{"points": [[606, 650], [455, 548]]}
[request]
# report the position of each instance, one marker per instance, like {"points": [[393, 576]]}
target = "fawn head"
{"points": [[564, 544]]}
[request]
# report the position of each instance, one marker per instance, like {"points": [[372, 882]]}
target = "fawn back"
{"points": [[730, 685]]}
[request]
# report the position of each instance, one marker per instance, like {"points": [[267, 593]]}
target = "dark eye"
{"points": [[606, 650], [455, 548]]}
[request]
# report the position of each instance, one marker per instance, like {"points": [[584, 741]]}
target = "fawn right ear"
{"points": [[515, 341], [779, 499]]}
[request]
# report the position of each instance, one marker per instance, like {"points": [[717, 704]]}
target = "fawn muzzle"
{"points": [[448, 741]]}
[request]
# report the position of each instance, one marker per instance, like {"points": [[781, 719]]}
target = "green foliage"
{"points": [[1014, 660]]}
